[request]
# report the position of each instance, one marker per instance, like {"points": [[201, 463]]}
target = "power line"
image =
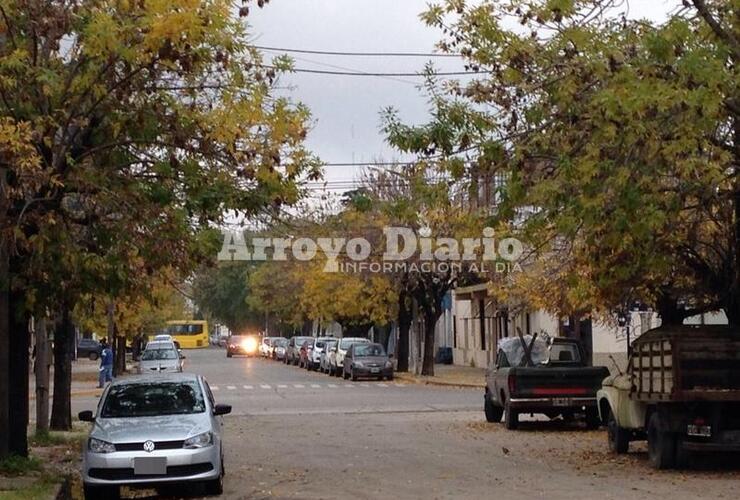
{"points": [[361, 54], [351, 73]]}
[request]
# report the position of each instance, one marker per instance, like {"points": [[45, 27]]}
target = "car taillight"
{"points": [[512, 384], [700, 421]]}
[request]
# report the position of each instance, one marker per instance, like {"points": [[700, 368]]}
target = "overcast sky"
{"points": [[346, 109]]}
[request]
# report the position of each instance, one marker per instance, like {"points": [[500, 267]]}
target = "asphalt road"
{"points": [[300, 434]]}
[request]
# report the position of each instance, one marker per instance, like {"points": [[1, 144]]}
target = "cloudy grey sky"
{"points": [[346, 108]]}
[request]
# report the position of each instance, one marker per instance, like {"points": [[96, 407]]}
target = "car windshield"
{"points": [[369, 350], [159, 354], [151, 399], [281, 342]]}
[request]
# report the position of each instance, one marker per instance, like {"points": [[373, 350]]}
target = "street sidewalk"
{"points": [[449, 375], [84, 378]]}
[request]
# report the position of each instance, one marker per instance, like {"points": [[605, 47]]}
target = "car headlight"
{"points": [[199, 441], [359, 364], [100, 446]]}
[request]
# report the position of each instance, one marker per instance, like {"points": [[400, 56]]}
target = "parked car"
{"points": [[293, 351], [342, 347], [265, 347], [681, 392], [313, 355], [153, 431], [327, 353], [161, 356], [89, 348], [245, 345], [304, 352], [366, 360], [279, 347], [532, 375]]}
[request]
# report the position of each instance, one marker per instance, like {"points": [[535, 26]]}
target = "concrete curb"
{"points": [[417, 380]]}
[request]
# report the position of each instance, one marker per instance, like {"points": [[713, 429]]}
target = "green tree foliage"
{"points": [[223, 291], [128, 129], [616, 138]]}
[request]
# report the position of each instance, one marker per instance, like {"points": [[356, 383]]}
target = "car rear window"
{"points": [[152, 399], [369, 350]]}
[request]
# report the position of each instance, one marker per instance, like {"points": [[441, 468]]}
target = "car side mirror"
{"points": [[86, 416], [221, 409]]}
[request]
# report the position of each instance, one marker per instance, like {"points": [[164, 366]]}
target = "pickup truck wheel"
{"points": [[493, 412], [661, 444], [618, 437], [511, 417]]}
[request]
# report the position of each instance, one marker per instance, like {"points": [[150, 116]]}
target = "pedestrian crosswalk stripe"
{"points": [[248, 387], [315, 386], [214, 387], [365, 384], [230, 387], [282, 386], [333, 386], [298, 386], [382, 385], [265, 386], [349, 385]]}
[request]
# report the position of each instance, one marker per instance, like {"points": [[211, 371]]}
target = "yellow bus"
{"points": [[190, 334]]}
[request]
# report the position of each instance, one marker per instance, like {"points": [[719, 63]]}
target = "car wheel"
{"points": [[661, 443], [345, 375], [228, 354], [390, 377], [92, 356], [592, 418], [216, 486], [492, 411], [101, 492], [511, 417]]}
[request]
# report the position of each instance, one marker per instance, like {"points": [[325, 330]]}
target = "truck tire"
{"points": [[493, 412], [661, 444], [93, 356], [618, 437], [511, 417]]}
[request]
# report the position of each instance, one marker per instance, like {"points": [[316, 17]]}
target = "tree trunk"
{"points": [[61, 409], [430, 322], [405, 317], [41, 370], [670, 312], [18, 364], [120, 359], [4, 348]]}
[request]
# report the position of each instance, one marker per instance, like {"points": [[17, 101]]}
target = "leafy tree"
{"points": [[127, 128], [223, 292], [616, 139]]}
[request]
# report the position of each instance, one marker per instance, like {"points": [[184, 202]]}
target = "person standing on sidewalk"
{"points": [[106, 365]]}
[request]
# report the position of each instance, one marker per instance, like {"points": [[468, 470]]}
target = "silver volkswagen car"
{"points": [[153, 430]]}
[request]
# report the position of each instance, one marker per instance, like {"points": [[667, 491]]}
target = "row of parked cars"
{"points": [[348, 357]]}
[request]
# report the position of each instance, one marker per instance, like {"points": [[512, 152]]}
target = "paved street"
{"points": [[299, 434]]}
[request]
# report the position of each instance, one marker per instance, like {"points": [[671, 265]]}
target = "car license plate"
{"points": [[150, 465], [374, 370], [699, 430], [562, 402]]}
